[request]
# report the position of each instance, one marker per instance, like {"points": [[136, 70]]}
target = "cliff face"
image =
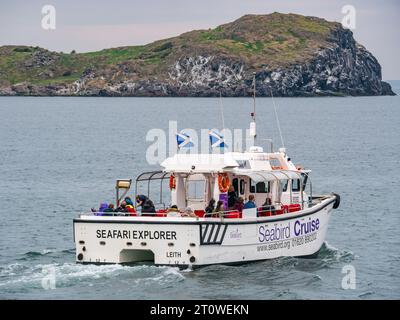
{"points": [[291, 55]]}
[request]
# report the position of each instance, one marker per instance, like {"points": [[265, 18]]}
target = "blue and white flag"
{"points": [[183, 140], [216, 139]]}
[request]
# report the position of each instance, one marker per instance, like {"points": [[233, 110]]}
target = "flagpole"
{"points": [[222, 110]]}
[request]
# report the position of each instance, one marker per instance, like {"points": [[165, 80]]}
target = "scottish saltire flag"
{"points": [[183, 140], [216, 139]]}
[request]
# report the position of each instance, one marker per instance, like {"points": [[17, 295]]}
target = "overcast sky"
{"points": [[89, 25]]}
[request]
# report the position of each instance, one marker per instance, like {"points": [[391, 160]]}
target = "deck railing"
{"points": [[263, 211]]}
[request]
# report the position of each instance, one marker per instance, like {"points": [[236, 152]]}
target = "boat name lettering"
{"points": [[267, 234], [302, 228], [136, 234], [173, 254]]}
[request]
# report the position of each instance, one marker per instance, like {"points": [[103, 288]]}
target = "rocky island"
{"points": [[291, 55]]}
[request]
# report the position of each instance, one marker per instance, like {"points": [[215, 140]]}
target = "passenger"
{"points": [[211, 206], [173, 211], [130, 208], [109, 211], [146, 204], [189, 213], [232, 197], [103, 206], [173, 208], [250, 204], [122, 207], [268, 206], [128, 201], [219, 210], [239, 204], [110, 208]]}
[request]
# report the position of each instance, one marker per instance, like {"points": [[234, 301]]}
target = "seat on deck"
{"points": [[294, 207], [263, 213], [199, 213], [161, 213], [233, 214]]}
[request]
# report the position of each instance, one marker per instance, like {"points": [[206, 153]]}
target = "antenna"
{"points": [[277, 120], [254, 97], [253, 131], [222, 112]]}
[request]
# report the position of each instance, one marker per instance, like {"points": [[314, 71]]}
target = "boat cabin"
{"points": [[195, 179]]}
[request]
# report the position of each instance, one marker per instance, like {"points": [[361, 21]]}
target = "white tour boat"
{"points": [[292, 222], [294, 225]]}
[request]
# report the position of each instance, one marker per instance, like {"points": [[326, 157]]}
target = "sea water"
{"points": [[61, 156]]}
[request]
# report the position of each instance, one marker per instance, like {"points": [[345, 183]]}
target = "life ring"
{"points": [[223, 182], [172, 182]]}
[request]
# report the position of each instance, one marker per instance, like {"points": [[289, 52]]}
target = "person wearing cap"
{"points": [[128, 201], [173, 211], [146, 204]]}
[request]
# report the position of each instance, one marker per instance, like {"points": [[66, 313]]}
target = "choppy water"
{"points": [[59, 156]]}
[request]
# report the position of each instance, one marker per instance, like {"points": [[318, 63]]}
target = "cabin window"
{"points": [[260, 187], [242, 184], [243, 164], [235, 184], [275, 163], [296, 185], [284, 184], [195, 189], [305, 178]]}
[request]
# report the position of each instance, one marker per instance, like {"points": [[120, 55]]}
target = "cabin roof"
{"points": [[199, 163], [244, 162]]}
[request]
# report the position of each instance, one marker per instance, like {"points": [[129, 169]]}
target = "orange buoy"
{"points": [[223, 182], [172, 182]]}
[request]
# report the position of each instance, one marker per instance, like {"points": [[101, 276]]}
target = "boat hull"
{"points": [[204, 241]]}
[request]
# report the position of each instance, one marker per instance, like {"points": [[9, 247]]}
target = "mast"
{"points": [[253, 131]]}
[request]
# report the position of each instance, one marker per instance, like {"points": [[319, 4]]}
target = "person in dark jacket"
{"points": [[211, 206], [109, 211], [146, 204], [122, 207], [219, 210], [268, 206], [220, 207], [232, 197]]}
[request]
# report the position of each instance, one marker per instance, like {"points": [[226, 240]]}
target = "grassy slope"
{"points": [[275, 39]]}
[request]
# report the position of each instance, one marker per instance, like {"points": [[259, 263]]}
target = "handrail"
{"points": [[225, 212], [272, 210]]}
